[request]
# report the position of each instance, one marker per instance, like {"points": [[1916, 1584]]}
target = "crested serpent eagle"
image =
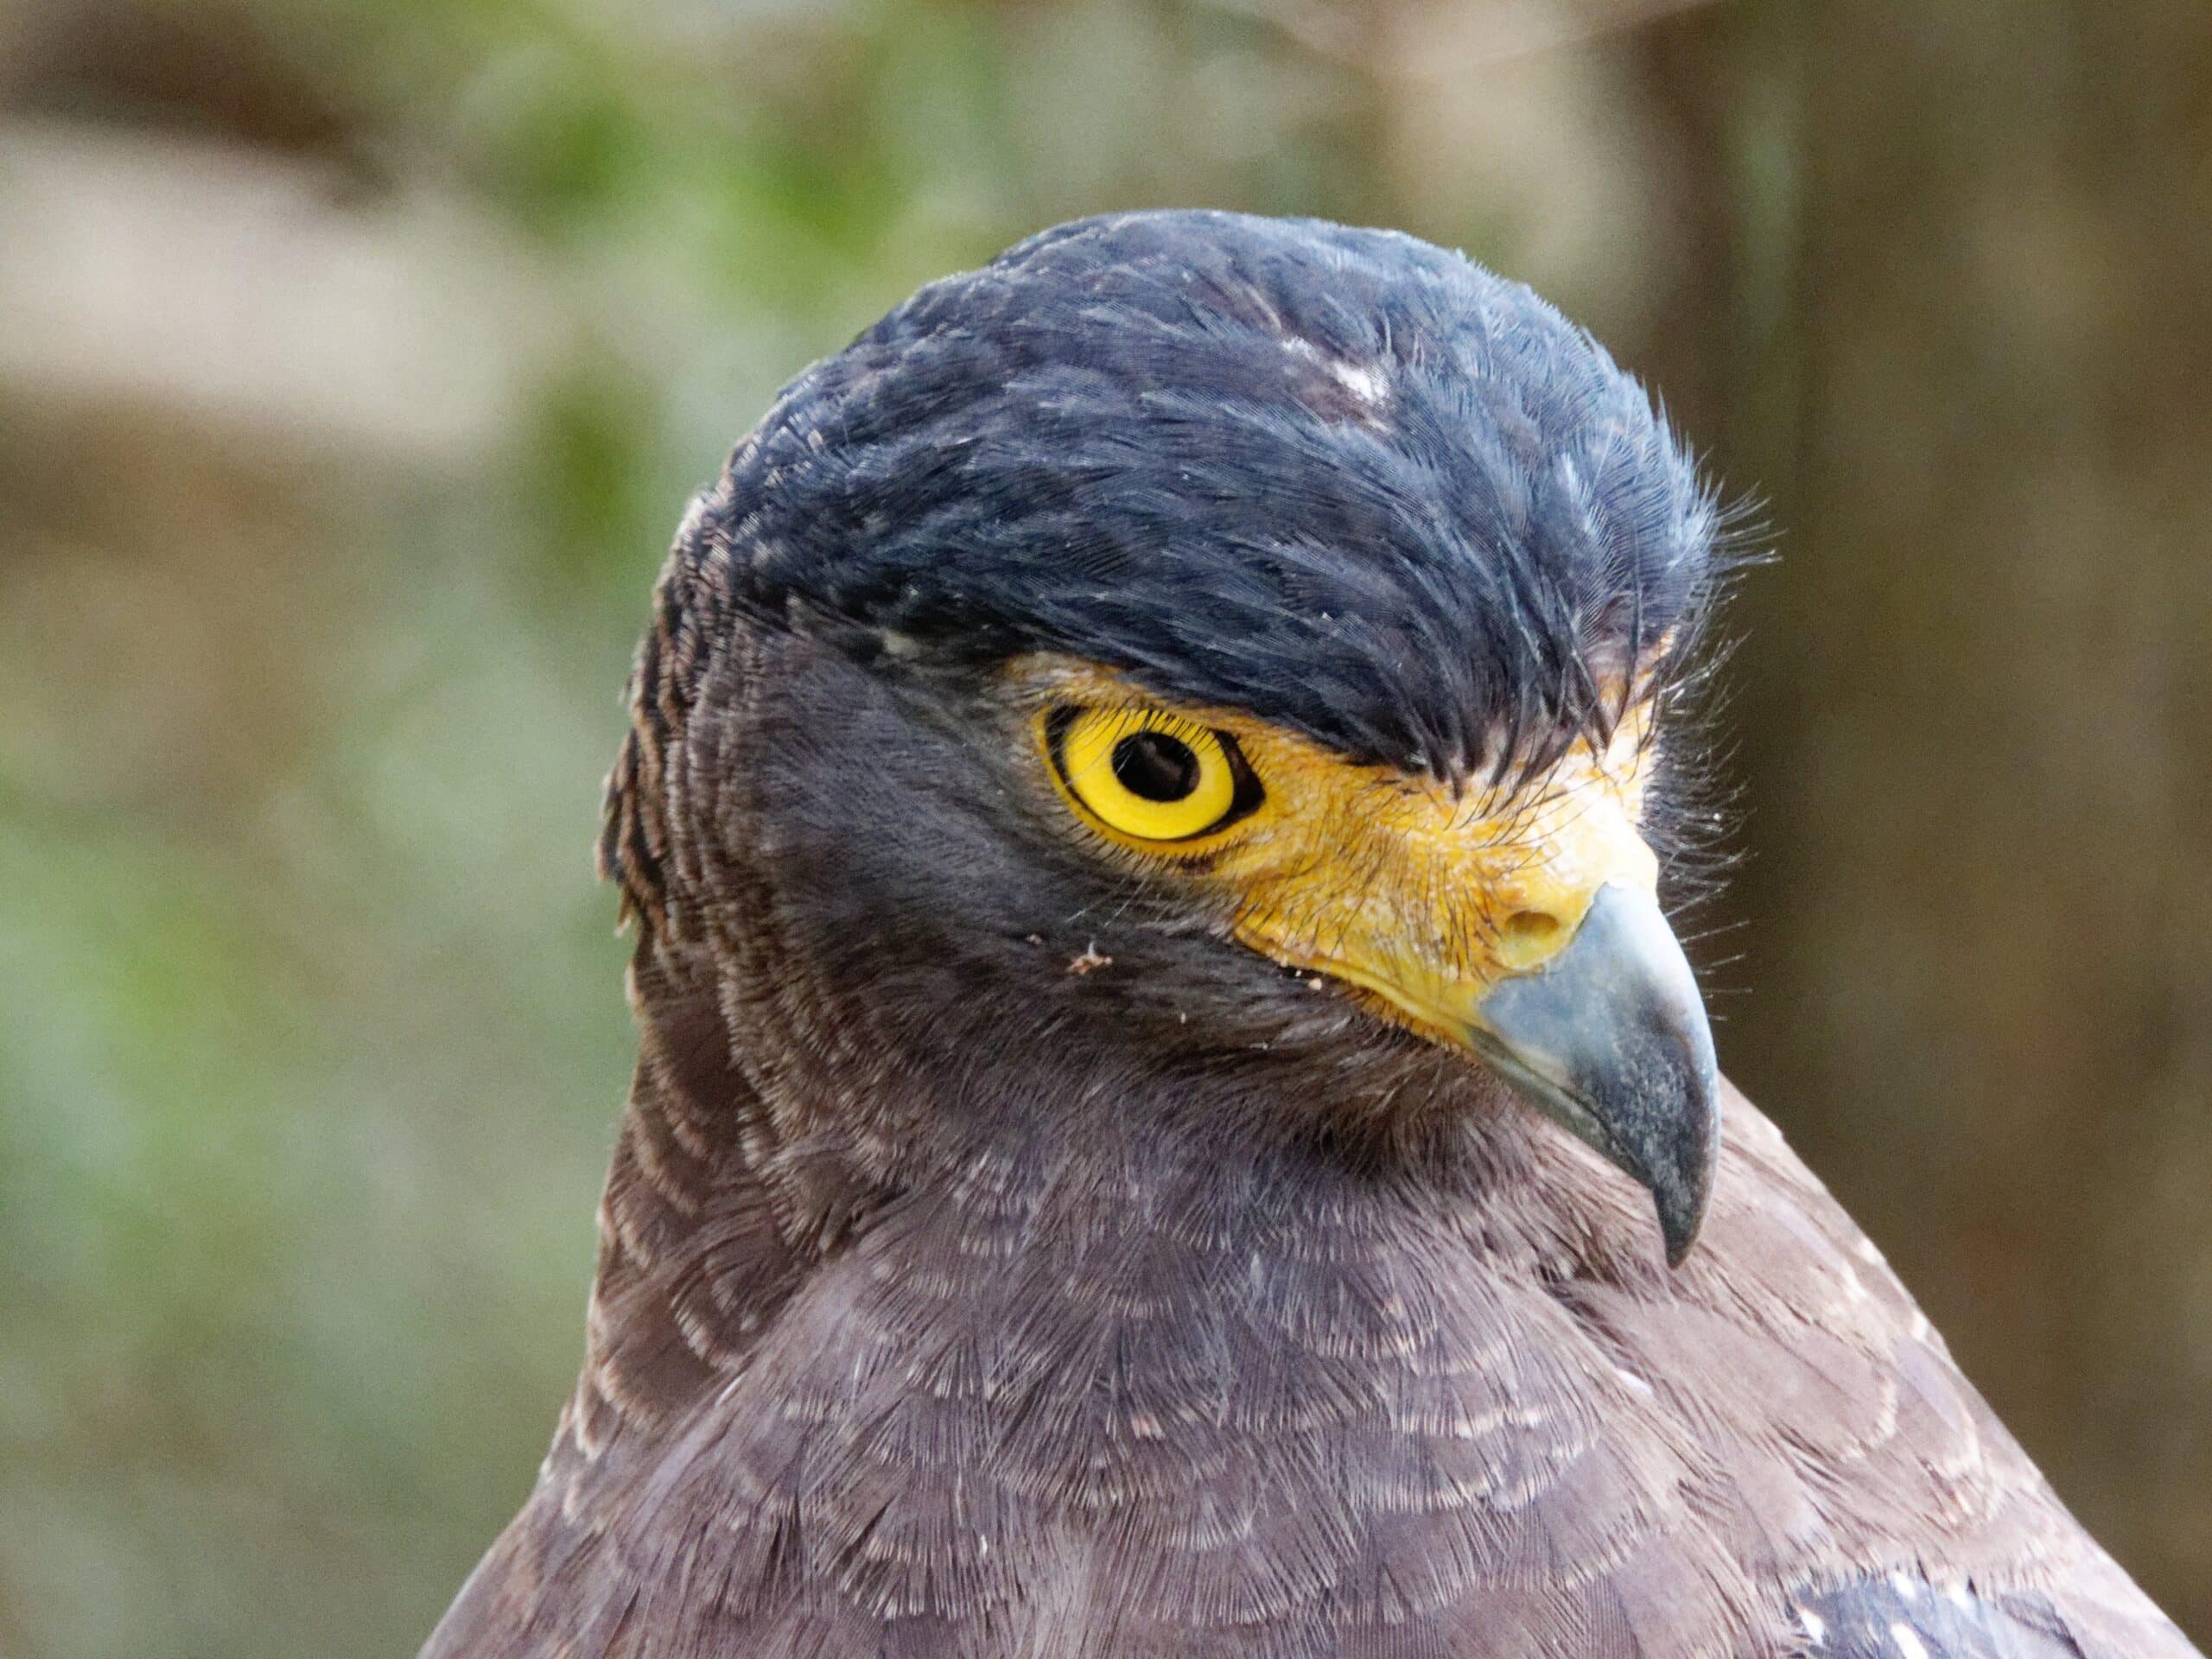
{"points": [[1160, 1050]]}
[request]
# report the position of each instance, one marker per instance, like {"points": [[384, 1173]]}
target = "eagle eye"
{"points": [[1149, 775]]}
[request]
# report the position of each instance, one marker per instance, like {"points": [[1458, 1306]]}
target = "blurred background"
{"points": [[356, 356]]}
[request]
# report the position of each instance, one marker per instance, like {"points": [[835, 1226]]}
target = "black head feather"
{"points": [[1339, 478]]}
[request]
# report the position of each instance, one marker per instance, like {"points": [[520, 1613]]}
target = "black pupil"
{"points": [[1156, 767]]}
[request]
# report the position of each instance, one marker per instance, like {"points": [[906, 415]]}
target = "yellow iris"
{"points": [[1144, 773]]}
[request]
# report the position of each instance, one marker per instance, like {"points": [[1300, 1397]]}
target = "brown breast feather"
{"points": [[1179, 1425]]}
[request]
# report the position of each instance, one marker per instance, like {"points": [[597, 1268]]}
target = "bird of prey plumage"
{"points": [[1149, 778]]}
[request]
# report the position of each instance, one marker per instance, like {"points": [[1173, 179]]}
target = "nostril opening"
{"points": [[1532, 932]]}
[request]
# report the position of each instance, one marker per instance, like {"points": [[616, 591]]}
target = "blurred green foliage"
{"points": [[311, 1038]]}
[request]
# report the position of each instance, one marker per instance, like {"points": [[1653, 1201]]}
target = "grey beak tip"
{"points": [[1681, 1213], [1682, 1186], [1611, 1040]]}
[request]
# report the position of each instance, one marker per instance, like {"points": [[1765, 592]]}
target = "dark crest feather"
{"points": [[1339, 478]]}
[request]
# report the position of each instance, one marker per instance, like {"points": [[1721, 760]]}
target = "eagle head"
{"points": [[1199, 664]]}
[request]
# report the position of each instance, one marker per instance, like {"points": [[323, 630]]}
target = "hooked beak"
{"points": [[1609, 1038], [1521, 925]]}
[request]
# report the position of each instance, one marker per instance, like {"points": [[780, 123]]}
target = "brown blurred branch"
{"points": [[1445, 44]]}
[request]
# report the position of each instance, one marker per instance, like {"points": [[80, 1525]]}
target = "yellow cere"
{"points": [[1382, 879]]}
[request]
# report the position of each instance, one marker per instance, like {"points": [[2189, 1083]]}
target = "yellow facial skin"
{"points": [[1389, 882]]}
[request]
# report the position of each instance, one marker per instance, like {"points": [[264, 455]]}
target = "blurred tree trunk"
{"points": [[1965, 356]]}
